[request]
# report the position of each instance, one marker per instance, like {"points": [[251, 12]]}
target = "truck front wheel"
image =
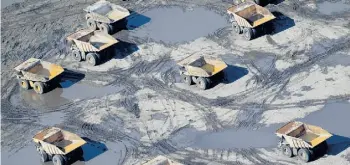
{"points": [[286, 150], [304, 155], [106, 28], [92, 59], [236, 27], [76, 55], [24, 84], [202, 83], [187, 79], [91, 24], [43, 156], [248, 33], [59, 160], [39, 87]]}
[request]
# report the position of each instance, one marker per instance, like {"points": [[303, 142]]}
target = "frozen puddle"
{"points": [[5, 3], [174, 24], [52, 118], [334, 117], [227, 139], [329, 8], [26, 155], [61, 96], [83, 91]]}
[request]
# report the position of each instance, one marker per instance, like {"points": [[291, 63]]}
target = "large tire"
{"points": [[76, 55], [258, 2], [202, 83], [248, 33], [304, 155], [106, 28], [44, 157], [24, 84], [92, 59], [287, 151], [39, 87], [187, 79], [59, 160], [236, 28], [91, 24], [237, 2]]}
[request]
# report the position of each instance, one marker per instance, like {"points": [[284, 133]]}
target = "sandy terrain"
{"points": [[134, 107]]}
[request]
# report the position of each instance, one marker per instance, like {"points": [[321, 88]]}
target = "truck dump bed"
{"points": [[203, 66], [37, 70], [161, 160], [249, 14], [107, 12], [91, 41], [302, 135], [57, 141]]}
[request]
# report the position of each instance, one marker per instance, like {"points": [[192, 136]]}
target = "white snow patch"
{"points": [[282, 65]]}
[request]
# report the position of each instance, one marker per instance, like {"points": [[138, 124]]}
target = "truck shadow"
{"points": [[280, 24], [233, 73], [120, 50], [136, 20], [229, 75], [337, 144], [275, 2], [69, 78], [133, 21], [92, 149]]}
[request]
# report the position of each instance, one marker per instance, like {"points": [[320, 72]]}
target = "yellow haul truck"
{"points": [[303, 140], [200, 70], [37, 74], [104, 16], [250, 19], [58, 145], [161, 160], [89, 45]]}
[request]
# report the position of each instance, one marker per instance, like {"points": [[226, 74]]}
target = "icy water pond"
{"points": [[174, 24], [329, 8]]}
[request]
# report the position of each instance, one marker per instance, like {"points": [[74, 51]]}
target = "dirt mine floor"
{"points": [[134, 107]]}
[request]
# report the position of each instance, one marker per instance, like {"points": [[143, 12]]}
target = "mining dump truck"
{"points": [[200, 70], [90, 45], [250, 19], [105, 16], [304, 140], [37, 74], [58, 145], [161, 160]]}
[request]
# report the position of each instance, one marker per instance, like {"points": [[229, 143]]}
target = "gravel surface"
{"points": [[134, 107]]}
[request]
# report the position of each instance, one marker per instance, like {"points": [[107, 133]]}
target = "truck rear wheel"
{"points": [[187, 79], [106, 28], [304, 155], [91, 24], [286, 150], [24, 84], [248, 33], [59, 160], [202, 83], [236, 27], [43, 156], [92, 59], [39, 87]]}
